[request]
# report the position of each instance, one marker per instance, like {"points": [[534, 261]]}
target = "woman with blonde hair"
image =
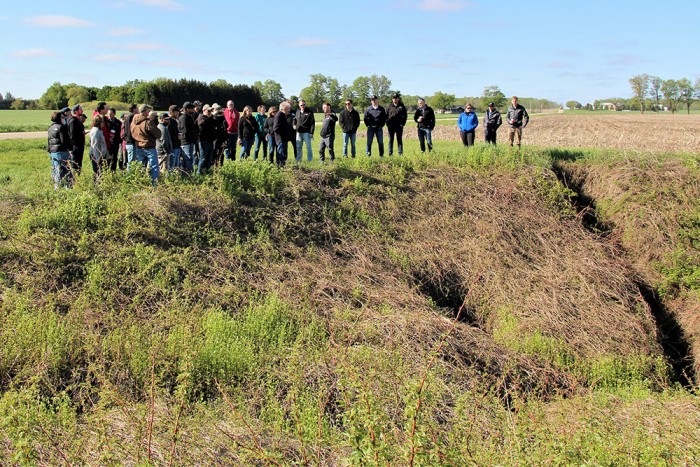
{"points": [[247, 128]]}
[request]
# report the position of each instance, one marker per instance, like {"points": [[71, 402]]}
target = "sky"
{"points": [[559, 50]]}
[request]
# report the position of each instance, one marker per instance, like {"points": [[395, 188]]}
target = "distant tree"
{"points": [[640, 88], [17, 104], [315, 93], [103, 93], [334, 92], [380, 86], [574, 104], [360, 91], [655, 91], [8, 97], [686, 92], [54, 97], [1, 98], [442, 101], [493, 94], [672, 94], [77, 94], [119, 94], [270, 92]]}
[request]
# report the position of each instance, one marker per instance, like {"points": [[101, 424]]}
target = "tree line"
{"points": [[162, 92], [650, 93]]}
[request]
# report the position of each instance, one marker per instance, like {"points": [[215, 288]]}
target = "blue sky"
{"points": [[559, 50]]}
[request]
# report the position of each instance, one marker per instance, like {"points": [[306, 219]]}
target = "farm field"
{"points": [[477, 306], [618, 131]]}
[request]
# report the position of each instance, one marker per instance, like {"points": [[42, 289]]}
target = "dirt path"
{"points": [[23, 135]]}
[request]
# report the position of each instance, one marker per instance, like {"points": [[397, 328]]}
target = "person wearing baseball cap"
{"points": [[375, 119], [164, 144], [145, 132], [492, 120], [176, 151]]}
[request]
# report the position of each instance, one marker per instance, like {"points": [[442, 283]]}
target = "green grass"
{"points": [[199, 322]]}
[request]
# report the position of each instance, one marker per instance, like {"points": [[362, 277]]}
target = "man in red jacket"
{"points": [[232, 116]]}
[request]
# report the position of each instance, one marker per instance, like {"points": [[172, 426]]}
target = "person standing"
{"points": [[217, 114], [375, 119], [268, 127], [133, 110], [492, 121], [206, 126], [467, 123], [291, 115], [396, 116], [425, 118], [76, 133], [232, 116], [304, 124], [247, 129], [164, 144], [260, 136], [59, 147], [349, 123], [282, 131], [115, 138], [98, 146], [145, 133], [188, 136], [517, 120], [327, 133], [173, 129]]}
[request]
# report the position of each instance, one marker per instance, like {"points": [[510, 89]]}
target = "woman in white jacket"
{"points": [[98, 146]]}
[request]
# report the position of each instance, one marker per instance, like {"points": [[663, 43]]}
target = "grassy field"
{"points": [[460, 308]]}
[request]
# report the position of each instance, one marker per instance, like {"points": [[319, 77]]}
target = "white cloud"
{"points": [[57, 21], [308, 42], [125, 31], [165, 4], [559, 64], [112, 58], [441, 66], [32, 53], [442, 5]]}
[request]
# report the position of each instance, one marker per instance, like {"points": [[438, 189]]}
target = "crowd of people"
{"points": [[195, 137]]}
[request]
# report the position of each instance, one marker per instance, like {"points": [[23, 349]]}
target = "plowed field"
{"points": [[648, 132]]}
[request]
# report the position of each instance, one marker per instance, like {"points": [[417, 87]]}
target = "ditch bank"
{"points": [[677, 334]]}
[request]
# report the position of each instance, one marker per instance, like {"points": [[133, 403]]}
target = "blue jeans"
{"points": [[301, 139], [149, 158], [271, 148], [174, 162], [130, 155], [231, 143], [246, 146], [260, 140], [60, 168], [352, 137], [371, 133], [188, 157], [206, 153], [423, 135], [281, 153]]}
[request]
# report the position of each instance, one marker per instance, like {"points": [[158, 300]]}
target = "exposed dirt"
{"points": [[626, 131]]}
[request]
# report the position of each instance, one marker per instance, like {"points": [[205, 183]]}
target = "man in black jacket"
{"points": [[425, 118], [327, 133], [58, 146], [188, 136], [282, 130], [375, 119], [304, 124], [349, 123], [492, 120], [517, 120], [396, 117], [76, 133]]}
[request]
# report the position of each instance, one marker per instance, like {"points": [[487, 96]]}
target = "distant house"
{"points": [[607, 106], [455, 109]]}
